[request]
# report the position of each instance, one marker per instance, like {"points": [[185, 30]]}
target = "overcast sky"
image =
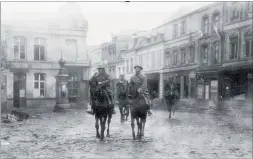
{"points": [[105, 18]]}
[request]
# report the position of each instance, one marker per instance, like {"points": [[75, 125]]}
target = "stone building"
{"points": [[237, 64], [149, 53], [33, 52], [209, 51]]}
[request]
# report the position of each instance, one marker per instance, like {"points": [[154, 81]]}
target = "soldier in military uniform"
{"points": [[139, 80], [102, 78], [122, 87]]}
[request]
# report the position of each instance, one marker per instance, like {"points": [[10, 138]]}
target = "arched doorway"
{"points": [[19, 90]]}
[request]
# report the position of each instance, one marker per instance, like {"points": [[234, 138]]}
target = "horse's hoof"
{"points": [[98, 136], [108, 135]]}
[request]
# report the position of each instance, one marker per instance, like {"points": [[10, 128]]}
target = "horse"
{"points": [[138, 109], [171, 98], [123, 102], [102, 110]]}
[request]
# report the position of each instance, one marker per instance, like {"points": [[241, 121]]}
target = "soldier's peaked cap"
{"points": [[138, 66], [101, 67]]}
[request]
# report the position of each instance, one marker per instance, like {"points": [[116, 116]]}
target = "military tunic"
{"points": [[139, 83], [105, 80]]}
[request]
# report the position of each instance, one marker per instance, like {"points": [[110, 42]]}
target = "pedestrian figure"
{"points": [[140, 101], [101, 101], [122, 91]]}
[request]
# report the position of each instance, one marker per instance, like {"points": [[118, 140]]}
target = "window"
{"points": [[235, 11], [174, 58], [216, 21], [215, 53], [249, 8], [73, 87], [179, 58], [183, 56], [183, 27], [205, 54], [174, 30], [39, 85], [39, 49], [131, 65], [192, 54], [248, 48], [233, 50], [140, 60], [205, 25], [123, 69], [113, 69], [20, 47], [153, 60], [70, 54], [127, 66]]}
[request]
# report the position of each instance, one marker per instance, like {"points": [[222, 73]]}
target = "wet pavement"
{"points": [[72, 135]]}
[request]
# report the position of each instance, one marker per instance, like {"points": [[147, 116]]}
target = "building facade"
{"points": [[33, 54], [208, 52]]}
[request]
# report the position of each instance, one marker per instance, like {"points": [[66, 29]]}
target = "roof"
{"points": [[186, 10]]}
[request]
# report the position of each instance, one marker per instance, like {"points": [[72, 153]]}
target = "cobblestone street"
{"points": [[72, 135]]}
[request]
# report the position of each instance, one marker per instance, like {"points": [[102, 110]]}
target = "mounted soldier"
{"points": [[171, 96], [101, 79], [140, 101], [122, 97]]}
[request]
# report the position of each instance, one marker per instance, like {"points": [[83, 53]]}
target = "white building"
{"points": [[33, 52]]}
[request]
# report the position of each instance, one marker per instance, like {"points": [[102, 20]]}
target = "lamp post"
{"points": [[62, 102]]}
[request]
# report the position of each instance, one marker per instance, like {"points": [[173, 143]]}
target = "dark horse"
{"points": [[171, 98], [139, 110], [123, 102], [102, 109]]}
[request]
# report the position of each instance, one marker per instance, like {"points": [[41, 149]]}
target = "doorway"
{"points": [[19, 90]]}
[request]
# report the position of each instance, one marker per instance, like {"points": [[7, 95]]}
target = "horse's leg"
{"points": [[97, 127], [127, 114], [102, 128], [121, 113], [138, 127], [143, 121], [132, 125], [109, 122], [170, 107]]}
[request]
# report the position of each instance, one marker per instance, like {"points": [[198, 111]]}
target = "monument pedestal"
{"points": [[62, 102]]}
